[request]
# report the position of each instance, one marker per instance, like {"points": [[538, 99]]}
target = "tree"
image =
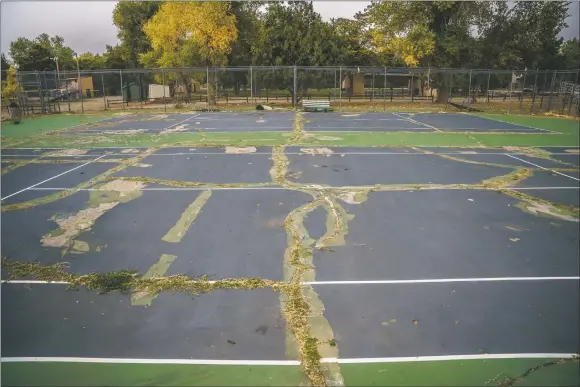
{"points": [[355, 42], [190, 34], [438, 33], [570, 52], [90, 61], [4, 66], [10, 85], [130, 17], [524, 36], [41, 53], [294, 34]]}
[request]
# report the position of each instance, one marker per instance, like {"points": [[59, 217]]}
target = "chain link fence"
{"points": [[285, 87]]}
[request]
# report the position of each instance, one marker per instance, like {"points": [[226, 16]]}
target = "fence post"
{"points": [[163, 84], [373, 88], [534, 92], [385, 91], [340, 88], [251, 84], [80, 87], [207, 85], [487, 91], [104, 94], [573, 94], [469, 92], [510, 94], [57, 88], [122, 96], [334, 87], [522, 89], [294, 98], [551, 88], [412, 88]]}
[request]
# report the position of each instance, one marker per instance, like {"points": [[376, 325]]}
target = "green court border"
{"points": [[479, 372]]}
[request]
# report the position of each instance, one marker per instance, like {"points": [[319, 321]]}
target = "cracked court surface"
{"points": [[398, 252], [283, 122]]}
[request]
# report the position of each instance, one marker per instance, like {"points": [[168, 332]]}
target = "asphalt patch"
{"points": [[217, 168], [350, 170], [238, 234], [448, 234], [224, 324], [453, 318]]}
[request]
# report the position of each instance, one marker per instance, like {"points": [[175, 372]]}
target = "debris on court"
{"points": [[235, 149], [68, 152], [143, 165], [531, 152], [514, 239], [317, 151], [177, 128], [126, 131]]}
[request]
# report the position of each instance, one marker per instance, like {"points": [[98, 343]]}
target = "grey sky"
{"points": [[87, 25]]}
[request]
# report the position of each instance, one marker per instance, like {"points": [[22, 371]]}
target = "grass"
{"points": [[41, 124], [492, 372], [30, 134], [372, 139], [95, 374]]}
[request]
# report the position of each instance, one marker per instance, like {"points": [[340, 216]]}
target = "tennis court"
{"points": [[406, 256], [284, 122]]}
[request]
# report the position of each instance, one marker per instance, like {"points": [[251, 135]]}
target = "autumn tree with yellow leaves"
{"points": [[187, 34]]}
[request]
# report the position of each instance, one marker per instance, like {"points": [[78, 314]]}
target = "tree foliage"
{"points": [[10, 84], [130, 17], [190, 34]]}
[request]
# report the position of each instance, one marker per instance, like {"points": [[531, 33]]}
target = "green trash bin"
{"points": [[14, 112]]}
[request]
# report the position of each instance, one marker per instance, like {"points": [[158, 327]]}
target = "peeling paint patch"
{"points": [[572, 151], [178, 231], [317, 151], [545, 209], [131, 150], [126, 131], [68, 152], [354, 197], [73, 225], [143, 165], [177, 128], [235, 149]]}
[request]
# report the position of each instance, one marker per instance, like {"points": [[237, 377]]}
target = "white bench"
{"points": [[315, 105]]}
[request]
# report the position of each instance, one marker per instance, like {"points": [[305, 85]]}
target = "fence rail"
{"points": [[345, 87]]}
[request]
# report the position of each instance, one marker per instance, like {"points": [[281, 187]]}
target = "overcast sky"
{"points": [[87, 25]]}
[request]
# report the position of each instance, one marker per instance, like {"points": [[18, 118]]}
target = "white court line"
{"points": [[539, 166], [204, 188], [450, 358], [369, 282], [201, 188], [147, 361], [509, 123], [337, 153], [417, 122], [536, 188], [288, 362], [181, 122], [54, 177], [441, 280]]}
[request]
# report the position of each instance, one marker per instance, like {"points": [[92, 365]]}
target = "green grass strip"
{"points": [[311, 138], [41, 124], [556, 124], [491, 372], [99, 374]]}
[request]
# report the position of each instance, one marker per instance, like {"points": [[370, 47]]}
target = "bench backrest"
{"points": [[314, 103]]}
